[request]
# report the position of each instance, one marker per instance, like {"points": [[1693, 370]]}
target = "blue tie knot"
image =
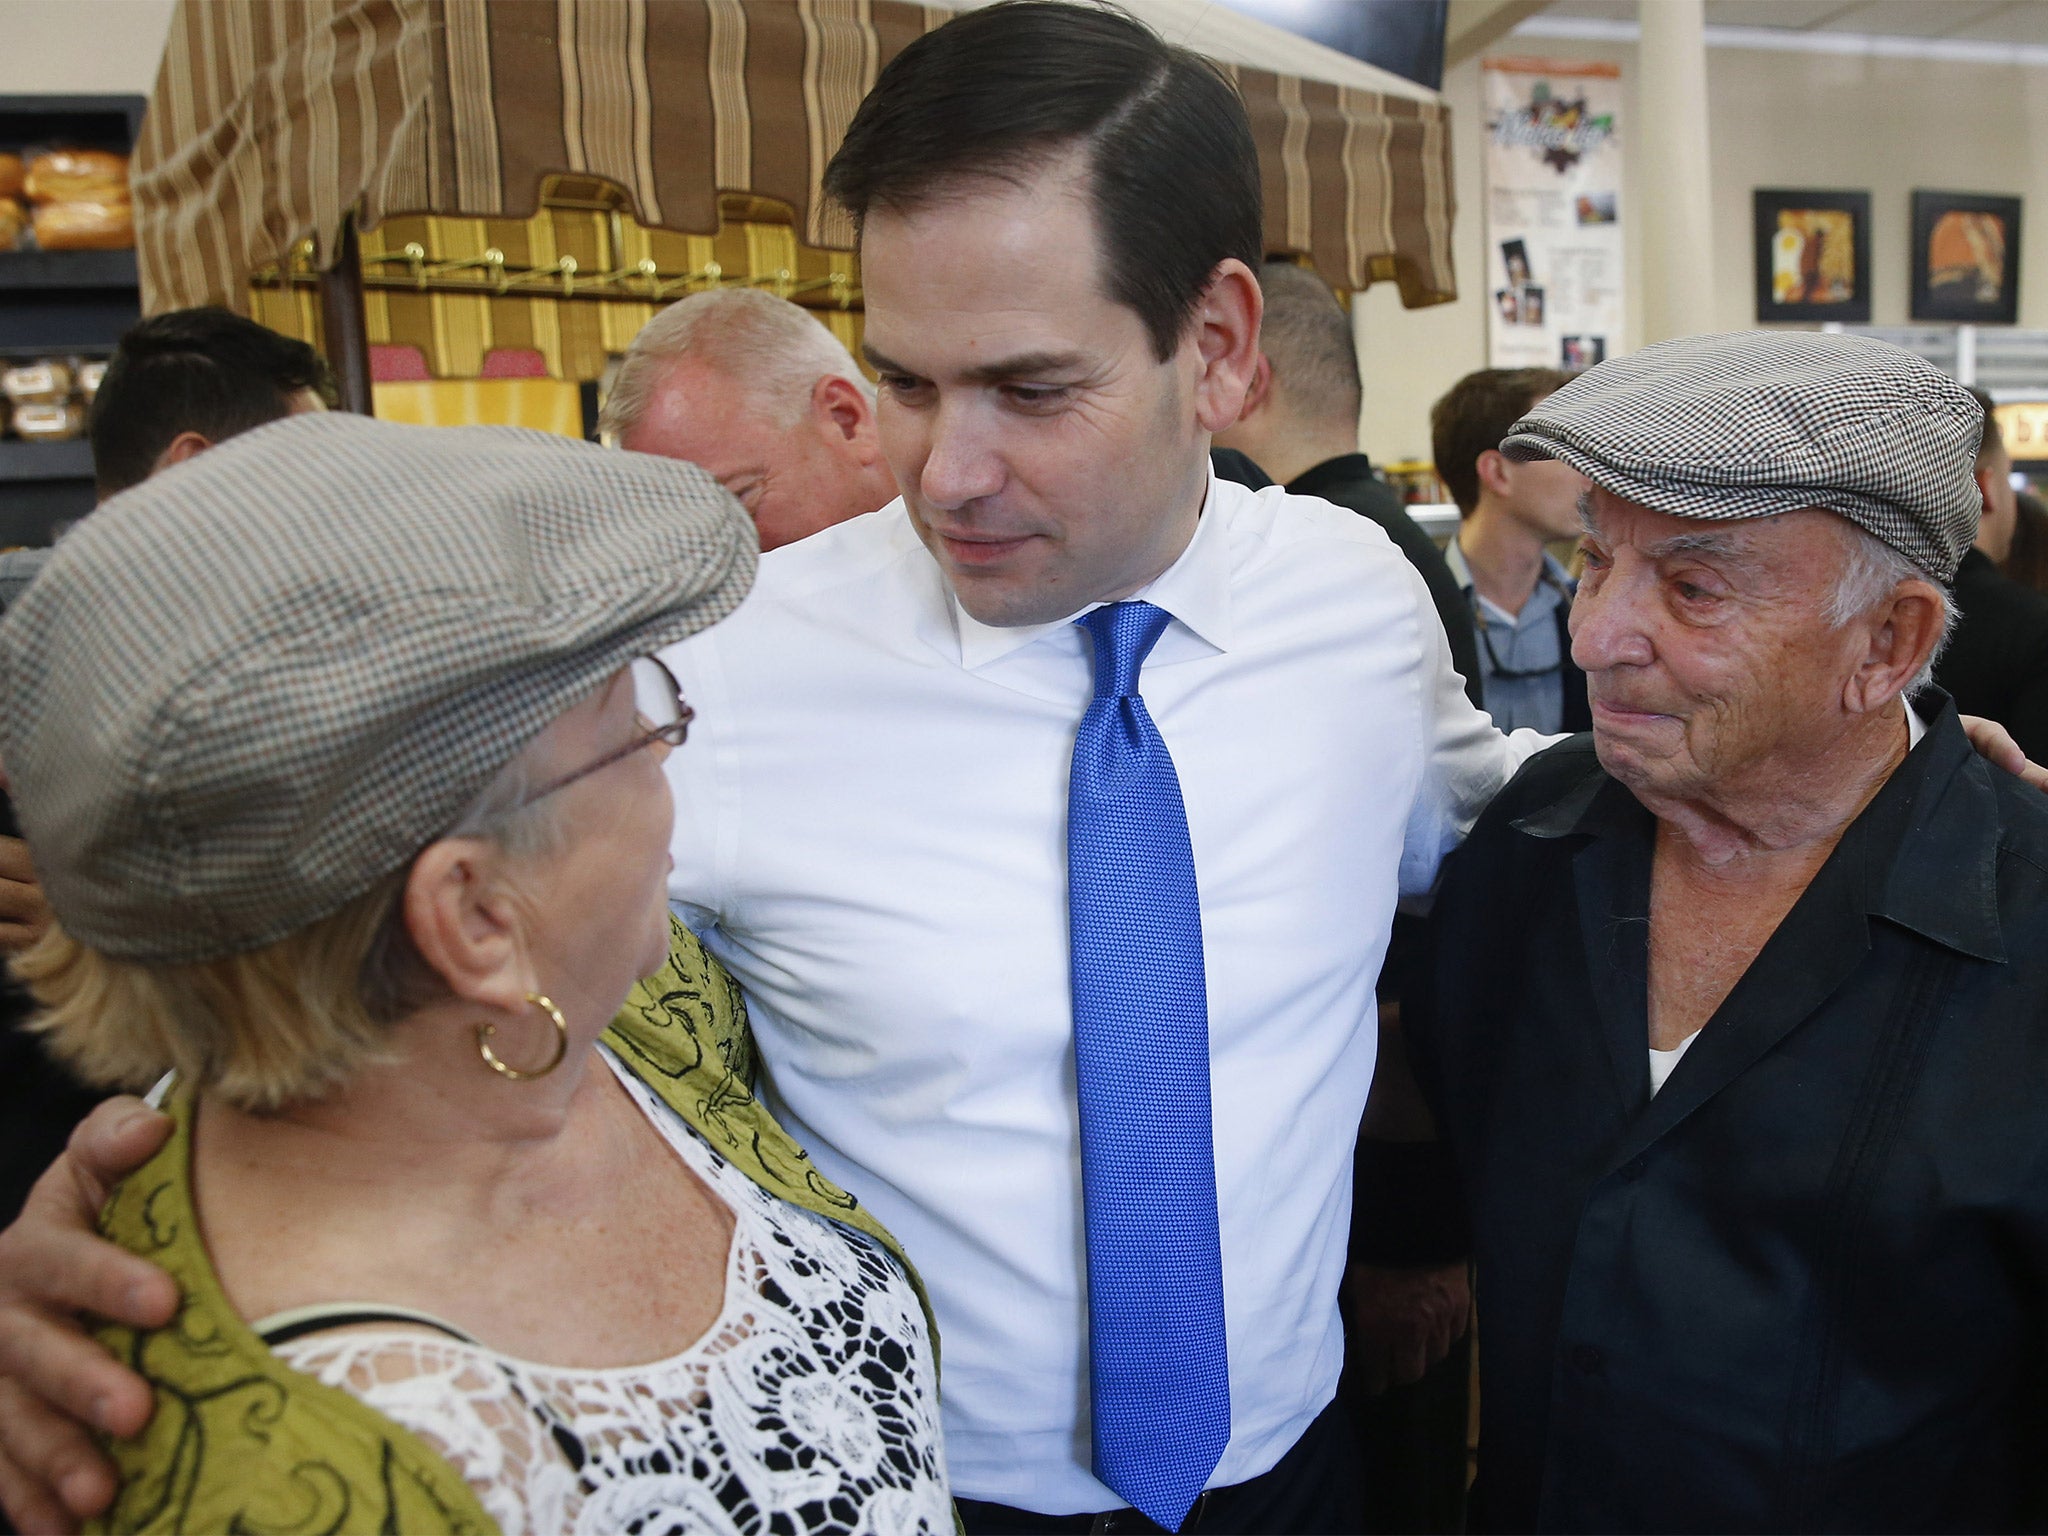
{"points": [[1124, 636]]}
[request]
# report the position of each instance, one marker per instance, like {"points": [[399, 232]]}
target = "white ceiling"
{"points": [[1982, 21]]}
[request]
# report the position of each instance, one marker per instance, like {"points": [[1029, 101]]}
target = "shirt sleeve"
{"points": [[705, 823], [1467, 759]]}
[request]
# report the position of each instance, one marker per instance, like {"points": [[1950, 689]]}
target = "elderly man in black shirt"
{"points": [[1741, 1025]]}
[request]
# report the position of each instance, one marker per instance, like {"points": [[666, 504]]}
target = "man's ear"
{"points": [[466, 924], [184, 446], [1226, 341], [1985, 478], [1258, 396], [1901, 639], [846, 417], [1495, 473]]}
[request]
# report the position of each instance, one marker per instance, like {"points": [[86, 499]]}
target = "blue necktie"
{"points": [[1159, 1370]]}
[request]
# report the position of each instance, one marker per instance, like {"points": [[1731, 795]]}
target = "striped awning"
{"points": [[273, 119]]}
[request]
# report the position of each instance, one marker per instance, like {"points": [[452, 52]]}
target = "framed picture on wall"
{"points": [[1966, 258], [1812, 255]]}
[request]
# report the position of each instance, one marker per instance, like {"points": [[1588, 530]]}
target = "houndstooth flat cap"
{"points": [[1755, 423], [246, 690]]}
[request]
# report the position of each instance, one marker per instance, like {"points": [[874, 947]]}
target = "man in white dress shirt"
{"points": [[1062, 307], [1060, 230], [1060, 225]]}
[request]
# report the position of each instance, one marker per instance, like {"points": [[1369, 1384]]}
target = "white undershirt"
{"points": [[1663, 1062]]}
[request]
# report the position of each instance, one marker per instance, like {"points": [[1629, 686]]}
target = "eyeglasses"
{"points": [[661, 713], [1510, 674]]}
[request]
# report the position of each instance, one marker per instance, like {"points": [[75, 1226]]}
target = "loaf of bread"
{"points": [[13, 220], [49, 423], [89, 376], [44, 383], [13, 172], [78, 176], [84, 226]]}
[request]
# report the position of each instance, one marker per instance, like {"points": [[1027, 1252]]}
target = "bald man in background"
{"points": [[758, 391], [1300, 425]]}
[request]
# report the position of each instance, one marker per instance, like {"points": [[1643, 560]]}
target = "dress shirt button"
{"points": [[1587, 1360]]}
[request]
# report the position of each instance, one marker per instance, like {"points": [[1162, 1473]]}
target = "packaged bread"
{"points": [[13, 172], [46, 423], [88, 376], [44, 383], [77, 176], [13, 220], [84, 226]]}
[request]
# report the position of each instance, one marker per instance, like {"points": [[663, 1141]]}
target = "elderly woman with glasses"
{"points": [[339, 752]]}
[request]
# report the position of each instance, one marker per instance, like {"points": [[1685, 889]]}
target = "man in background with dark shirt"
{"points": [[1996, 664], [179, 383], [1300, 425]]}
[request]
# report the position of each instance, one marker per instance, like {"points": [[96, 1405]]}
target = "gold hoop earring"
{"points": [[546, 1005]]}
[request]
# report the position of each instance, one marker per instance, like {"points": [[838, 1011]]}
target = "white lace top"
{"points": [[808, 1406]]}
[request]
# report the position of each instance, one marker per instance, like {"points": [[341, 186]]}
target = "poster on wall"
{"points": [[1553, 213]]}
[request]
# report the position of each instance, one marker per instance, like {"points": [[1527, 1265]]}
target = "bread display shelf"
{"points": [[67, 269], [45, 461]]}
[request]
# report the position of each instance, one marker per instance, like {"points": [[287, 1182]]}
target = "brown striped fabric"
{"points": [[270, 121]]}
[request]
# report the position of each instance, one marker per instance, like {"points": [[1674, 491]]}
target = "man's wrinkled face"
{"points": [[1708, 653], [790, 475], [1048, 459]]}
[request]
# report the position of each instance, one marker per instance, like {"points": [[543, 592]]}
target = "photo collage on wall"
{"points": [[1553, 169]]}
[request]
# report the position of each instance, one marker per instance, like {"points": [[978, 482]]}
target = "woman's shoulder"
{"points": [[238, 1440], [683, 1032]]}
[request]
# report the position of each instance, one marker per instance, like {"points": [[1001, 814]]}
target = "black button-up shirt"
{"points": [[1805, 1287]]}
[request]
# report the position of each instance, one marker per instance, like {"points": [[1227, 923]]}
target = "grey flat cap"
{"points": [[1755, 423], [246, 690]]}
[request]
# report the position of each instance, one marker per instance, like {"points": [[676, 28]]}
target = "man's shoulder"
{"points": [[874, 549], [2022, 818], [1307, 527], [868, 576], [1349, 481], [1569, 766]]}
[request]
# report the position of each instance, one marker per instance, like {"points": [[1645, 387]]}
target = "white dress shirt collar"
{"points": [[1195, 589]]}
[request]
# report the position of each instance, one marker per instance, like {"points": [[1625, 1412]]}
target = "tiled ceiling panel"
{"points": [[1903, 18], [1772, 13], [2005, 21]]}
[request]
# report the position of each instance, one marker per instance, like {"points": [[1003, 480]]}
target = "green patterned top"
{"points": [[240, 1442]]}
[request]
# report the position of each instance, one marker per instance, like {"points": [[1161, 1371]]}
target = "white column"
{"points": [[1673, 189]]}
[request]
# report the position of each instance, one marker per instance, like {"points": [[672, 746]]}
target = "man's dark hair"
{"points": [[1473, 417], [1993, 439], [1307, 334], [193, 370], [1174, 172]]}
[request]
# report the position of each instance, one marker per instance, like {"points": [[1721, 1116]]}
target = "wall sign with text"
{"points": [[1553, 214]]}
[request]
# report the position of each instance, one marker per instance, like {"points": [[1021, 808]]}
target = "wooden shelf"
{"points": [[21, 460], [67, 269]]}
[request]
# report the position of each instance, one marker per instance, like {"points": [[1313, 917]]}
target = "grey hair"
{"points": [[1307, 334], [1871, 571], [394, 979], [773, 351]]}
